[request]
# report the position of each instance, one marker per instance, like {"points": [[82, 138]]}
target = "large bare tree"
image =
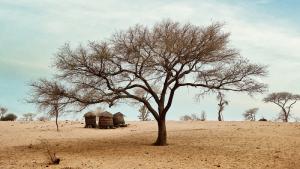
{"points": [[157, 60], [285, 101]]}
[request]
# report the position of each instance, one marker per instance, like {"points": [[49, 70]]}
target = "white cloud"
{"points": [[260, 37]]}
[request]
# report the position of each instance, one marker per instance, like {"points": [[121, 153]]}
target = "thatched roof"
{"points": [[89, 114], [105, 114], [118, 114]]}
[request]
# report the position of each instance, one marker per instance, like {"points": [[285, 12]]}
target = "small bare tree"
{"points": [[49, 96], [29, 116], [285, 101], [3, 110], [222, 103], [250, 114], [166, 57], [186, 118], [195, 117], [203, 116], [192, 117], [144, 113]]}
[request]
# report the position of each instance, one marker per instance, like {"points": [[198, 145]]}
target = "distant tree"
{"points": [[168, 56], [193, 117], [222, 103], [203, 116], [285, 101], [297, 119], [3, 110], [250, 114], [186, 118], [144, 113], [44, 118], [29, 116], [9, 117]]}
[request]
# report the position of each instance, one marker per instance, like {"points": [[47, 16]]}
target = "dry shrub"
{"points": [[43, 118], [52, 155]]}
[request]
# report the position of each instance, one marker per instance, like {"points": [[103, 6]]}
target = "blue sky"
{"points": [[264, 31]]}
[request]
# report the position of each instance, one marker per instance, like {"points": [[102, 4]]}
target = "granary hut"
{"points": [[118, 119], [90, 120], [106, 120]]}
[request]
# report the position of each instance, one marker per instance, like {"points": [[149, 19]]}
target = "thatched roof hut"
{"points": [[89, 114], [106, 120], [118, 119], [90, 120], [105, 114]]}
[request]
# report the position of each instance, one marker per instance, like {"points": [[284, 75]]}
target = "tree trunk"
{"points": [[219, 116], [162, 133], [285, 118], [56, 117]]}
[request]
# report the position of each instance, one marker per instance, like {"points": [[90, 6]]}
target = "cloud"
{"points": [[33, 30]]}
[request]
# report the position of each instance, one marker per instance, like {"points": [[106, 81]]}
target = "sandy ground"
{"points": [[203, 145]]}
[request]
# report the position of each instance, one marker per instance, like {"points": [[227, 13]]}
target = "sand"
{"points": [[203, 145]]}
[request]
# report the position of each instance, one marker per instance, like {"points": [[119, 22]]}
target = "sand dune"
{"points": [[191, 145]]}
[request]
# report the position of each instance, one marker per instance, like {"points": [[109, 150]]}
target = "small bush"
{"points": [[186, 118], [43, 118], [194, 117], [51, 155], [262, 119], [9, 117]]}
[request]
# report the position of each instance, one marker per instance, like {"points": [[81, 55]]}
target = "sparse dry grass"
{"points": [[191, 145]]}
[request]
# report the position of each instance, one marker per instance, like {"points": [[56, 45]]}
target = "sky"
{"points": [[264, 31]]}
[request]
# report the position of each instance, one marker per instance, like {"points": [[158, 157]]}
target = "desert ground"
{"points": [[203, 145]]}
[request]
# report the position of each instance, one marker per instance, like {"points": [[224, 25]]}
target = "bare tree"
{"points": [[192, 117], [166, 57], [250, 114], [144, 113], [49, 96], [203, 116], [3, 110], [285, 101], [195, 117], [186, 118], [29, 116], [221, 105]]}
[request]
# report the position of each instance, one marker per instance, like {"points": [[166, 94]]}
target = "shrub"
{"points": [[9, 117], [262, 119], [43, 118], [194, 117], [186, 118]]}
